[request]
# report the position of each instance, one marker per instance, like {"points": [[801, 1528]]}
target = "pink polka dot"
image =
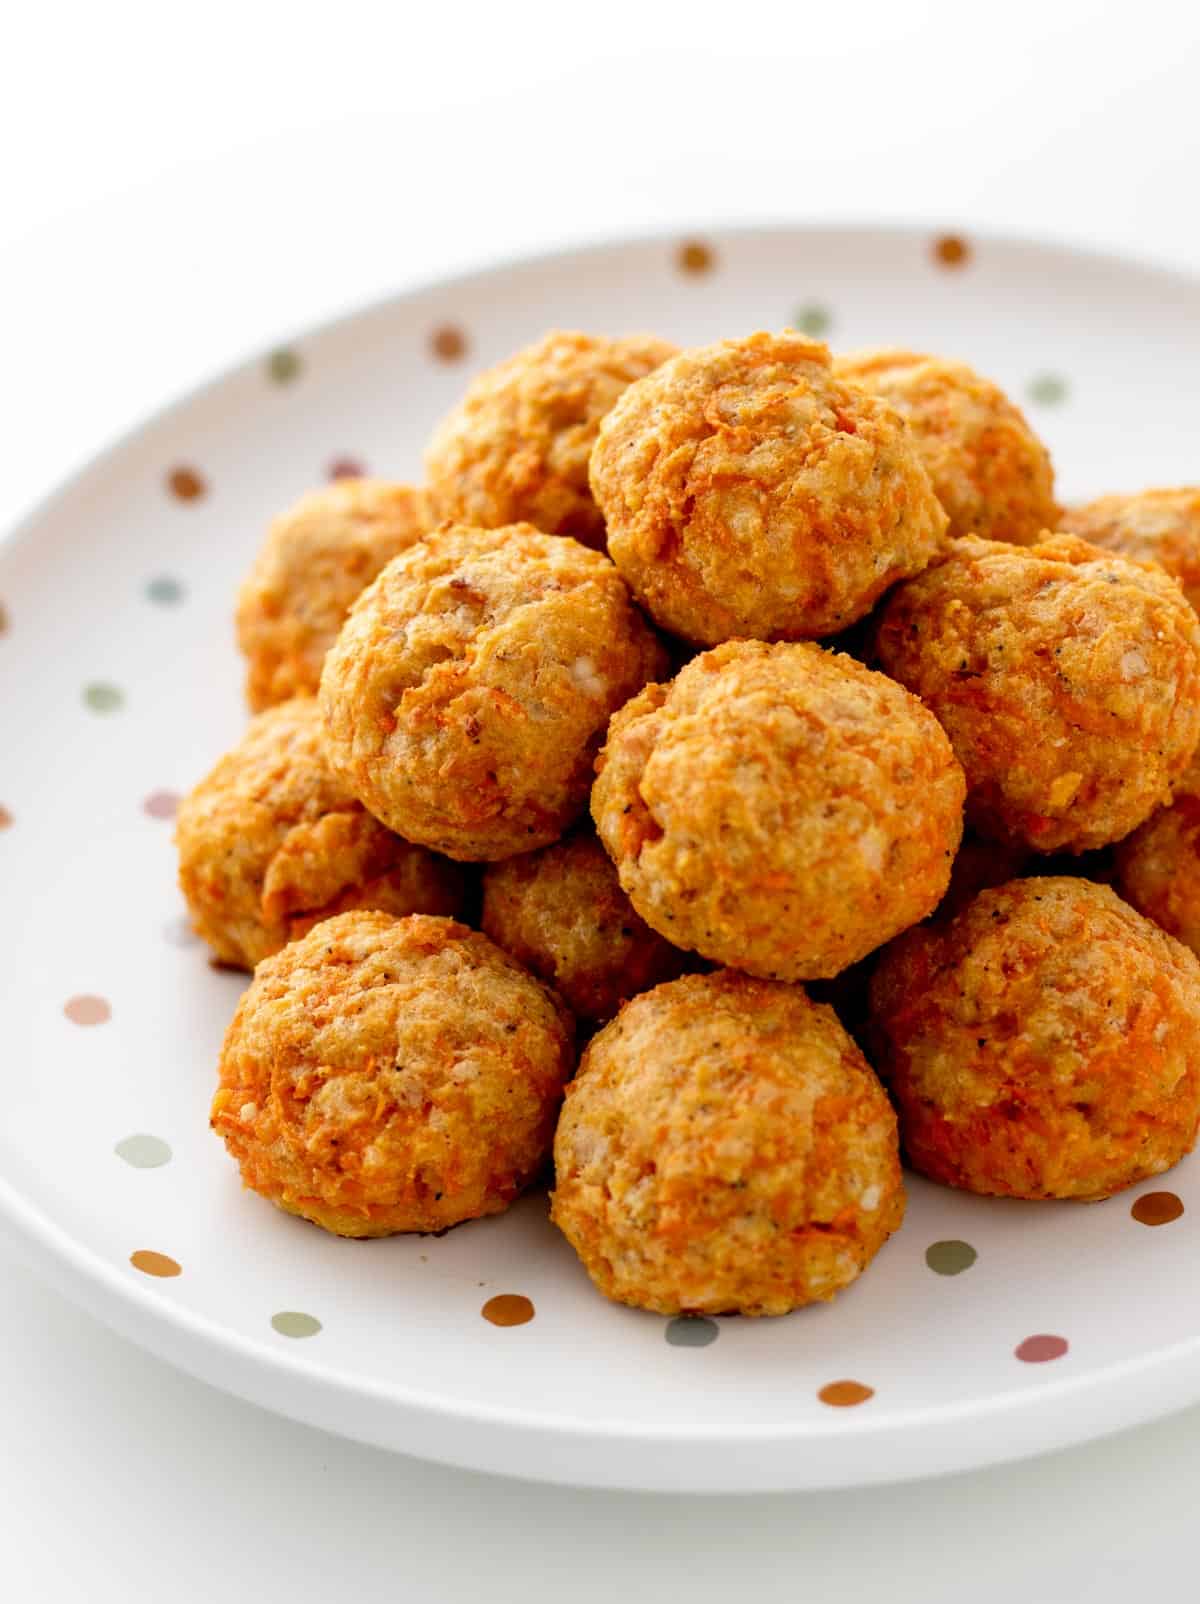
{"points": [[85, 1010], [161, 804], [1037, 1350]]}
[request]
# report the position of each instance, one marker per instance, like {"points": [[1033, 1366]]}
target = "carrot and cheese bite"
{"points": [[561, 912], [271, 842], [1043, 1043], [386, 1075], [1161, 526], [779, 808], [1157, 868], [990, 471], [315, 561], [1067, 679], [749, 491], [725, 1148], [516, 448], [470, 688]]}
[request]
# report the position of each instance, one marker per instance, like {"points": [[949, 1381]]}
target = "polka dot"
{"points": [[950, 1257], [161, 804], [143, 1152], [283, 366], [1157, 1208], [694, 257], [448, 344], [164, 591], [1038, 1350], [845, 1394], [179, 932], [6, 818], [951, 250], [508, 1309], [813, 320], [3, 619], [291, 1323], [692, 1331], [346, 468], [185, 484], [84, 1010], [101, 697], [1048, 389], [151, 1263]]}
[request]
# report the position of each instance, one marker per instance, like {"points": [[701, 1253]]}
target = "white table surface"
{"points": [[184, 185]]}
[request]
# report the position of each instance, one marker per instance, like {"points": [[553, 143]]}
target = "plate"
{"points": [[985, 1330]]}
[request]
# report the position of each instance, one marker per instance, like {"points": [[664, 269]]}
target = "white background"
{"points": [[183, 184]]}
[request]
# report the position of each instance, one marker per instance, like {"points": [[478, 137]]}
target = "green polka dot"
{"points": [[692, 1331], [143, 1152], [1048, 389], [103, 698], [283, 366], [950, 1257], [813, 319], [290, 1323], [164, 591]]}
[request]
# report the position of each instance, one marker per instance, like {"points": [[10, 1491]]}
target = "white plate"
{"points": [[119, 585]]}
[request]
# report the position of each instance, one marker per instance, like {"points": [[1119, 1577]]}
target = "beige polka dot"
{"points": [[86, 1010]]}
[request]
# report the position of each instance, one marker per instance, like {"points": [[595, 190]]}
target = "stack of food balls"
{"points": [[782, 624]]}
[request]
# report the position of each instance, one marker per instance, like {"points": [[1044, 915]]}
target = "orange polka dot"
{"points": [[448, 344], [508, 1309], [151, 1263], [951, 250], [185, 484], [845, 1394], [6, 818], [694, 257]]}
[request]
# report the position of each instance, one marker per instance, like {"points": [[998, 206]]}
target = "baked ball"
{"points": [[725, 1149], [1068, 680], [561, 912], [516, 448], [272, 842], [990, 471], [470, 688], [315, 561], [387, 1075], [1045, 1042], [781, 809], [748, 491], [1157, 868], [1161, 526]]}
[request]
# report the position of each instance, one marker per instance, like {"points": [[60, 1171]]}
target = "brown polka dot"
{"points": [[951, 250], [3, 619], [185, 484], [6, 818], [845, 1394], [87, 1010], [346, 468], [151, 1263], [508, 1309], [448, 344], [161, 804], [694, 257], [1157, 1208], [1038, 1350]]}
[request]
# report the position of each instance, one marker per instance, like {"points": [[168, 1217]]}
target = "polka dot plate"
{"points": [[985, 1330]]}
